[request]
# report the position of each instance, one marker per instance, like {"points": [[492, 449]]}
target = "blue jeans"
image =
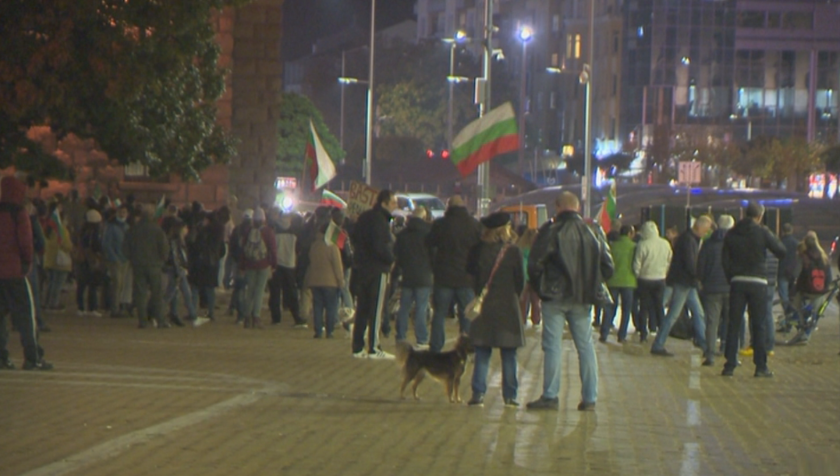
{"points": [[325, 299], [443, 300], [770, 324], [784, 295], [256, 280], [680, 297], [209, 294], [626, 295], [482, 366], [409, 296], [174, 284], [577, 315]]}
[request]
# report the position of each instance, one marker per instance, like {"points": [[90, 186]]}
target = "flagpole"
{"points": [[483, 94]]}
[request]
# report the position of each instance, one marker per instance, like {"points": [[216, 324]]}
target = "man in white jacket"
{"points": [[653, 257]]}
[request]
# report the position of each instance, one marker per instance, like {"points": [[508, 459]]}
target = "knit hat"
{"points": [[93, 216], [725, 222], [248, 213], [496, 220], [259, 214]]}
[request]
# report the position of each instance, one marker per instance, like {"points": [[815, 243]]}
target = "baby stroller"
{"points": [[809, 316]]}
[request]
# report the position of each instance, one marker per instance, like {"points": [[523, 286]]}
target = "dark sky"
{"points": [[308, 20]]}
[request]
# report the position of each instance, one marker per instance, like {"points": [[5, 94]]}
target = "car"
{"points": [[408, 202]]}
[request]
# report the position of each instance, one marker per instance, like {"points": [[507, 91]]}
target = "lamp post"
{"points": [[586, 78], [483, 95], [525, 34], [459, 38], [369, 121]]}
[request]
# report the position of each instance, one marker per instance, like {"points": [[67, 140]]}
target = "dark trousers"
{"points": [[283, 282], [148, 294], [743, 296], [650, 295], [16, 299], [87, 280], [370, 291], [626, 295]]}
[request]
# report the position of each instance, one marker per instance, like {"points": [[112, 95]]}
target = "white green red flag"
{"points": [[493, 134], [607, 214], [321, 167], [335, 235], [330, 199], [161, 206]]}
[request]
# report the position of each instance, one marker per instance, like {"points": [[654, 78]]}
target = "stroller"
{"points": [[808, 317]]}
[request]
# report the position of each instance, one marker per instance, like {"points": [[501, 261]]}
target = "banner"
{"points": [[362, 198]]}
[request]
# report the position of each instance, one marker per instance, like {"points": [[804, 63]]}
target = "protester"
{"points": [[117, 263], [325, 278], [714, 292], [58, 261], [771, 265], [495, 263], [16, 256], [683, 279], [90, 265], [571, 273], [34, 276], [789, 268], [450, 240], [259, 257], [414, 264], [346, 248], [530, 300], [147, 249], [374, 250], [283, 283], [622, 284], [176, 269], [812, 284], [650, 265], [743, 262], [236, 239], [205, 257]]}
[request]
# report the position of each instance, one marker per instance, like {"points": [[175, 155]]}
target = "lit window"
{"points": [[136, 170]]}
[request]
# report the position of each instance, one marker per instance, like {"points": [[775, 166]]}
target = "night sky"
{"points": [[308, 20]]}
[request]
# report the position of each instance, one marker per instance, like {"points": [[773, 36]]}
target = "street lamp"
{"points": [[526, 33], [369, 122], [586, 78], [460, 37], [344, 81]]}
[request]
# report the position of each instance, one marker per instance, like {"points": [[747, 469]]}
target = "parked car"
{"points": [[407, 202]]}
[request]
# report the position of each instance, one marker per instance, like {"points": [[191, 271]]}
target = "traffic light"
{"points": [[430, 153], [444, 154]]}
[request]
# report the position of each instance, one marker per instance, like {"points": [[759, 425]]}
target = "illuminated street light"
{"points": [[525, 35], [459, 38]]}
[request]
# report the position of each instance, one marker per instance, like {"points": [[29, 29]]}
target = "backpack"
{"points": [[817, 278], [254, 249]]}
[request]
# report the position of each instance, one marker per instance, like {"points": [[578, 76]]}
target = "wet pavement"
{"points": [[222, 400]]}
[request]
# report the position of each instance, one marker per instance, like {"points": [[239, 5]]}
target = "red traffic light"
{"points": [[430, 153], [444, 154]]}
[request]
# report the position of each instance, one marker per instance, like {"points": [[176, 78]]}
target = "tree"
{"points": [[140, 78], [789, 159], [293, 133]]}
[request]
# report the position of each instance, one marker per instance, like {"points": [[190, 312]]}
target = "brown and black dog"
{"points": [[446, 367]]}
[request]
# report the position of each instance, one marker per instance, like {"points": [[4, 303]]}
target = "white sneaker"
{"points": [[81, 313], [421, 346], [200, 321], [381, 355], [360, 354], [94, 314]]}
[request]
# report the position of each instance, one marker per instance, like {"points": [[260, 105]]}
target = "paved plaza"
{"points": [[222, 400]]}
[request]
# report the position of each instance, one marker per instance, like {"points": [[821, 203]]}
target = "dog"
{"points": [[446, 367]]}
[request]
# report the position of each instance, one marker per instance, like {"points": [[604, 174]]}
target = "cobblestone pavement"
{"points": [[222, 400]]}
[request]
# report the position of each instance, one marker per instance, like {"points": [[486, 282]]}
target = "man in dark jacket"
{"points": [[146, 248], [451, 239], [572, 273], [16, 257], [374, 249], [415, 266], [788, 271], [283, 283], [714, 291], [684, 279], [744, 264]]}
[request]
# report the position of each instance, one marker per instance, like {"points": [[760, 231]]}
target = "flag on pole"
{"points": [[321, 168], [161, 206], [493, 134], [330, 199], [56, 222], [607, 213], [335, 235]]}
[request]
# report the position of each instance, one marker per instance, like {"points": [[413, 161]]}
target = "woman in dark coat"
{"points": [[206, 251], [500, 323]]}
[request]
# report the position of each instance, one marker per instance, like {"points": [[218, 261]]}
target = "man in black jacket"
{"points": [[415, 266], [715, 287], [570, 272], [451, 239], [683, 278], [744, 264], [373, 244]]}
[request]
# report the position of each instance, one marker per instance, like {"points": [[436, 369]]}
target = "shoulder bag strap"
{"points": [[496, 267]]}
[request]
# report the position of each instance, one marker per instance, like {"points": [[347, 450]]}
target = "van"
{"points": [[528, 216], [408, 202]]}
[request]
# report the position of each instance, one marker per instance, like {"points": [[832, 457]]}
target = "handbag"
{"points": [[473, 309], [63, 259]]}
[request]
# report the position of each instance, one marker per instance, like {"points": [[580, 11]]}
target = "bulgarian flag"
{"points": [[607, 213], [335, 235], [55, 218], [332, 200], [161, 206], [488, 136], [321, 167]]}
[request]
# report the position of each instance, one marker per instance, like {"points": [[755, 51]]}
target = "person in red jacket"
{"points": [[16, 256]]}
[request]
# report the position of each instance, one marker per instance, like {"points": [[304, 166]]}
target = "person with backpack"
{"points": [[205, 257], [259, 257], [812, 284], [744, 263]]}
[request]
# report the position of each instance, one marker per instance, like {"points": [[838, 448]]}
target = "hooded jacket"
{"points": [[653, 254], [683, 269], [709, 267], [16, 248], [451, 239], [743, 251], [286, 242], [373, 242], [413, 257]]}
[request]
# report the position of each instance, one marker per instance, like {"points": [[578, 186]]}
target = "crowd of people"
{"points": [[132, 259]]}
